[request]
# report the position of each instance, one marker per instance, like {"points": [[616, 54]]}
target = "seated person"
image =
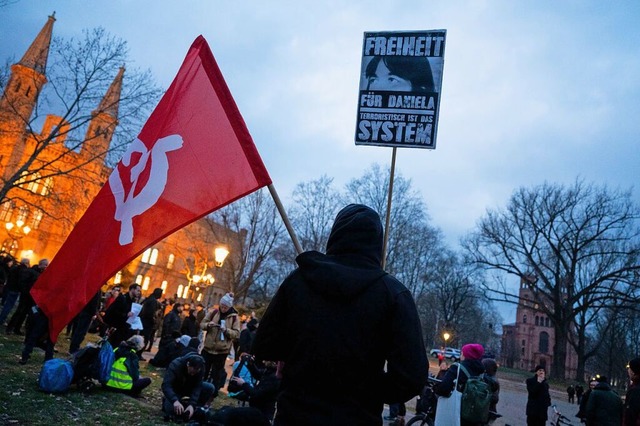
{"points": [[125, 372], [191, 346], [185, 378], [170, 351], [264, 393]]}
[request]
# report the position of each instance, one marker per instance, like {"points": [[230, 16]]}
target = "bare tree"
{"points": [[253, 229], [414, 245], [79, 74], [580, 244], [312, 212]]}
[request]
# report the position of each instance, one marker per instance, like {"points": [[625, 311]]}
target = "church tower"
{"points": [[104, 121], [20, 97]]}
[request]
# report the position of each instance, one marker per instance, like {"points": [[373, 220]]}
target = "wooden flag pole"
{"points": [[386, 221], [285, 218]]}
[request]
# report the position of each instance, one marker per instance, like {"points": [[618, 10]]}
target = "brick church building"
{"points": [[38, 211], [530, 340]]}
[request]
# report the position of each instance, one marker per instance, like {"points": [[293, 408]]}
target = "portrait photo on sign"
{"points": [[399, 89]]}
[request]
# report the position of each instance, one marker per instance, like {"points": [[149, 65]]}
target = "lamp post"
{"points": [[16, 231]]}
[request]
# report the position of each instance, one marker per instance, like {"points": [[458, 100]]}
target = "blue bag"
{"points": [[106, 358], [56, 375]]}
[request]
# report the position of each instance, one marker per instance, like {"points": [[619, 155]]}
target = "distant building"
{"points": [[37, 215], [531, 339]]}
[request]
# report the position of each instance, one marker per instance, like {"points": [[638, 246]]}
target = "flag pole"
{"points": [[386, 221], [285, 218]]}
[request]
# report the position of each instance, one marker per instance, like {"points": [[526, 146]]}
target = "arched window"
{"points": [[524, 319], [139, 279], [543, 344], [146, 255], [546, 321], [145, 283], [6, 210], [171, 260], [537, 320], [36, 218], [118, 278], [28, 91], [154, 257]]}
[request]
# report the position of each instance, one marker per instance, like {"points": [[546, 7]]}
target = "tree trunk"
{"points": [[558, 369]]}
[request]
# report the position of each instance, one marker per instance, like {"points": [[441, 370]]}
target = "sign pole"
{"points": [[387, 218]]}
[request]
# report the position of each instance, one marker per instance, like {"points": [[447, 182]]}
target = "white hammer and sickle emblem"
{"points": [[130, 204]]}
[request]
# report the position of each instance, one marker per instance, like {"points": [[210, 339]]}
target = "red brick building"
{"points": [[530, 340]]}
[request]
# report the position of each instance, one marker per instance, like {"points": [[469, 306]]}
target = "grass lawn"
{"points": [[23, 403]]}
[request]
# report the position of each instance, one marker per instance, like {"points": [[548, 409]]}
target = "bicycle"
{"points": [[425, 406], [560, 419]]}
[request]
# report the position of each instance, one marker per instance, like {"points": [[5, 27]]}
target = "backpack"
{"points": [[106, 358], [476, 398], [56, 375]]}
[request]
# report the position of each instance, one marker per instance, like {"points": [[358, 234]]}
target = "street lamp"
{"points": [[15, 231], [220, 253], [446, 337]]}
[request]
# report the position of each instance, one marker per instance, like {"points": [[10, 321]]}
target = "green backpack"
{"points": [[476, 398]]}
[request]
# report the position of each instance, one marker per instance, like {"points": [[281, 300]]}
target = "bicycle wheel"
{"points": [[420, 420]]}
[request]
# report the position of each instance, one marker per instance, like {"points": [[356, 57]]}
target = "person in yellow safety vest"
{"points": [[125, 372]]}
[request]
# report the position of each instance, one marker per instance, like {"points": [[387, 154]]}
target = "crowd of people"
{"points": [[340, 339]]}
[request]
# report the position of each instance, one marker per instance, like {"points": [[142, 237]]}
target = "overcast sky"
{"points": [[533, 91]]}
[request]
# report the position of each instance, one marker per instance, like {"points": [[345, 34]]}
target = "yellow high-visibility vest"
{"points": [[120, 378]]}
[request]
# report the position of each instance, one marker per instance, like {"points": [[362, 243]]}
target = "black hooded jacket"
{"points": [[335, 322]]}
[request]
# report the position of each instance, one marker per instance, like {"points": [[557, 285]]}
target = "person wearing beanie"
{"points": [[125, 372], [223, 327], [335, 322], [538, 397], [185, 378], [470, 360], [604, 407], [631, 416]]}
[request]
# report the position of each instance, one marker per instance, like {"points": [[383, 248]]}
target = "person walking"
{"points": [[571, 391], [470, 360], [12, 289], [27, 278], [605, 406], [119, 312], [538, 398], [335, 322], [150, 318], [579, 392]]}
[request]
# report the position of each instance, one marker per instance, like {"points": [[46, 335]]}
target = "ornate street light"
{"points": [[17, 230], [220, 253]]}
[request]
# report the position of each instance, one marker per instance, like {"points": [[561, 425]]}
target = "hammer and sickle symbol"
{"points": [[130, 204]]}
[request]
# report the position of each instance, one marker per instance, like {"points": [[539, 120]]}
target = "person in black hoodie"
{"points": [[333, 325], [471, 360]]}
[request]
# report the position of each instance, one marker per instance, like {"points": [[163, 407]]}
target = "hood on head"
{"points": [[353, 257], [356, 230]]}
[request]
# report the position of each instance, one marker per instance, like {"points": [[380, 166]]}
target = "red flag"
{"points": [[193, 156]]}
